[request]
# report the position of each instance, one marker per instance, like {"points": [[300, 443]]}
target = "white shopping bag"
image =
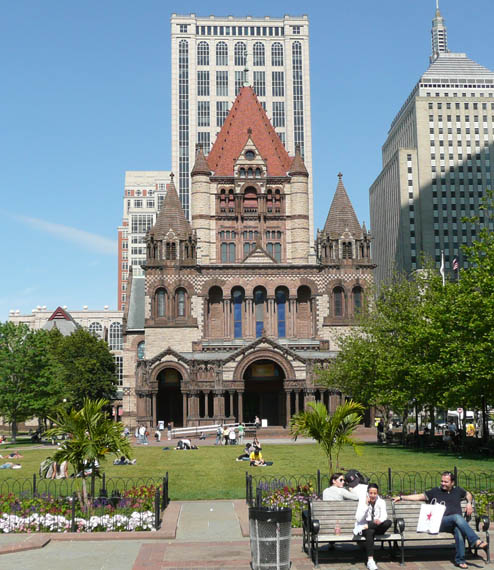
{"points": [[430, 517]]}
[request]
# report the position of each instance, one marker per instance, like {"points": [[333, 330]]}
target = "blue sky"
{"points": [[86, 96]]}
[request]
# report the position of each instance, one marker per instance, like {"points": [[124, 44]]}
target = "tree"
{"points": [[86, 366], [27, 374], [92, 435], [331, 432]]}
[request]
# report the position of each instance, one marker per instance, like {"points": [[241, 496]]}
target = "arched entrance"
{"points": [[169, 407], [264, 395]]}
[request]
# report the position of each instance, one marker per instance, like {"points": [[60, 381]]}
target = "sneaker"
{"points": [[371, 564]]}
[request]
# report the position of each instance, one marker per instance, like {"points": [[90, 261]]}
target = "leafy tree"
{"points": [[92, 435], [86, 366], [27, 374], [331, 432]]}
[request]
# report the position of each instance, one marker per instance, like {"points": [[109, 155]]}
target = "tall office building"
{"points": [[436, 163], [212, 58], [143, 195]]}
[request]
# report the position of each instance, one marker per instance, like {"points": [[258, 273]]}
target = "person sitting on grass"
{"points": [[256, 459], [246, 453], [124, 461], [185, 444], [14, 455]]}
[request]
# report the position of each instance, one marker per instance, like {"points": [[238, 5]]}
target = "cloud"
{"points": [[87, 240]]}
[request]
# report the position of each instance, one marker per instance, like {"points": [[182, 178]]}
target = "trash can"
{"points": [[270, 533]]}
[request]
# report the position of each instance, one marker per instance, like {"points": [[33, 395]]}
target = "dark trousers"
{"points": [[370, 532]]}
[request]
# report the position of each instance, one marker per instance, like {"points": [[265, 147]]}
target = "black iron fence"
{"points": [[390, 482], [112, 504]]}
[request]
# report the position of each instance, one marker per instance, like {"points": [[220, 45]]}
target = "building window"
{"points": [[221, 112], [250, 197], [161, 303], [278, 84], [338, 302], [347, 250], [183, 28], [258, 52], [259, 302], [203, 113], [260, 83], [116, 336], [119, 369], [281, 297], [141, 350], [96, 329], [222, 83], [227, 252], [181, 296], [277, 55], [357, 299], [238, 301], [203, 141], [298, 96], [278, 114], [296, 30], [202, 53], [240, 54], [141, 223], [203, 83], [137, 203], [240, 79], [221, 53]]}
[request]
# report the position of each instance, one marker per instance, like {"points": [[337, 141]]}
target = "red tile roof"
{"points": [[247, 113]]}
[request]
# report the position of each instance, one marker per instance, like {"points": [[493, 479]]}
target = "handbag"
{"points": [[431, 516]]}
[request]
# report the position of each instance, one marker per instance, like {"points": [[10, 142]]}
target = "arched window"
{"points": [[269, 201], [357, 300], [258, 53], [277, 252], [258, 173], [115, 337], [96, 329], [246, 248], [242, 172], [221, 53], [181, 297], [240, 54], [277, 55], [202, 53], [174, 251], [141, 350], [347, 250], [338, 300], [281, 298], [161, 303], [259, 306], [238, 302], [231, 201], [228, 253], [250, 199], [250, 173]]}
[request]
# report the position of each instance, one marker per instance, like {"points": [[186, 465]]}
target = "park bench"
{"points": [[406, 516], [323, 516]]}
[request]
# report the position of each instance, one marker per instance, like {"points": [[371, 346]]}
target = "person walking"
{"points": [[453, 520], [372, 519], [241, 430], [219, 433], [231, 436]]}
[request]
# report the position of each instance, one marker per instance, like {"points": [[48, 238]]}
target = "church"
{"points": [[239, 307]]}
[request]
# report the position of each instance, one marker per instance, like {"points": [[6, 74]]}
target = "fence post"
{"points": [[319, 483], [157, 513], [165, 500], [247, 487], [103, 489], [72, 526], [456, 475], [92, 484], [258, 496], [34, 485], [390, 482]]}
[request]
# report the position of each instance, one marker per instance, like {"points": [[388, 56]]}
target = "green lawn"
{"points": [[213, 473]]}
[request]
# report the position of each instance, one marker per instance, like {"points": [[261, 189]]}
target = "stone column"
{"points": [[194, 404], [313, 312], [217, 408], [227, 316], [309, 397], [206, 404], [232, 415], [293, 317], [249, 330], [185, 407], [240, 406], [205, 307], [155, 418], [288, 399], [270, 320]]}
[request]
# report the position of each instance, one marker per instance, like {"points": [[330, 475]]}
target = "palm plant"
{"points": [[91, 436], [331, 432]]}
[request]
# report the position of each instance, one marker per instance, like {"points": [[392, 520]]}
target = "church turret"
{"points": [[171, 240], [299, 229], [201, 206], [343, 240]]}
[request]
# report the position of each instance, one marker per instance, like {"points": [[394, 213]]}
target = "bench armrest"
{"points": [[399, 525], [483, 523], [315, 526]]}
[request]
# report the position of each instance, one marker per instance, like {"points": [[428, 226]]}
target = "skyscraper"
{"points": [[436, 163], [212, 58]]}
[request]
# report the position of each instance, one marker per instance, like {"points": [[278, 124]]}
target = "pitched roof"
{"points": [[201, 164], [171, 216], [456, 66], [62, 320], [298, 164], [247, 113], [341, 215]]}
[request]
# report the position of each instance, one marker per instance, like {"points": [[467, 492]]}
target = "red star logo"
{"points": [[429, 516]]}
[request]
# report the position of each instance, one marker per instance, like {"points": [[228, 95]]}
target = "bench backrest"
{"points": [[409, 511], [331, 513]]}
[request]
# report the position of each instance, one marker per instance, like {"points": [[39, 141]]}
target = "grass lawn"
{"points": [[213, 473]]}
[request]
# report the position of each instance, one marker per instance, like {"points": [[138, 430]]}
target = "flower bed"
{"points": [[131, 510], [295, 498]]}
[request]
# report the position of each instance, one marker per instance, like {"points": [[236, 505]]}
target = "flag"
{"points": [[455, 265], [441, 269]]}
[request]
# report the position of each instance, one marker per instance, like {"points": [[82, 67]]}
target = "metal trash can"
{"points": [[270, 533]]}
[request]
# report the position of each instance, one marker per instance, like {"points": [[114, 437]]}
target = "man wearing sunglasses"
{"points": [[337, 490]]}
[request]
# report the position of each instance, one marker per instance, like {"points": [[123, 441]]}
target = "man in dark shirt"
{"points": [[453, 520]]}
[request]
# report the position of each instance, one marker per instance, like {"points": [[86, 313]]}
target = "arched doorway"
{"points": [[169, 406], [264, 395]]}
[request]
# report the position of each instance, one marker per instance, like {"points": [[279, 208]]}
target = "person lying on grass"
{"points": [[10, 465]]}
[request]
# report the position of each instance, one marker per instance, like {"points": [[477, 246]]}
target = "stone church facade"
{"points": [[238, 307]]}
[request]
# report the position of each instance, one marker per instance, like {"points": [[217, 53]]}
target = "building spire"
{"points": [[439, 35]]}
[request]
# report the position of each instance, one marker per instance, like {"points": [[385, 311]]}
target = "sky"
{"points": [[86, 96]]}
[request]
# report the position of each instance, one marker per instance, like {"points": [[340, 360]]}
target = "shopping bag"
{"points": [[430, 517]]}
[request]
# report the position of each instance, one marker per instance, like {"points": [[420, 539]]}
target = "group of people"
{"points": [[226, 435], [371, 517], [252, 453]]}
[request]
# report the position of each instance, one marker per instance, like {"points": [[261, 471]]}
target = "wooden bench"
{"points": [[406, 516], [323, 516]]}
